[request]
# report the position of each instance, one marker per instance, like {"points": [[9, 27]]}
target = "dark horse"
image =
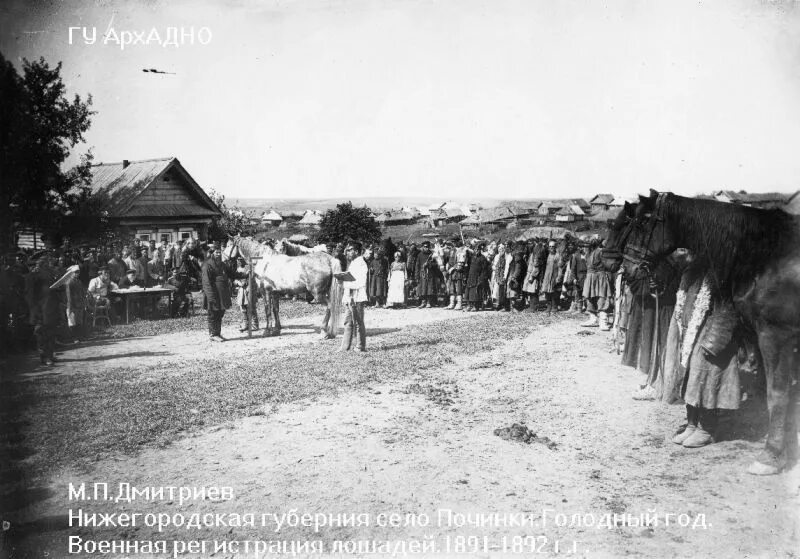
{"points": [[619, 232], [753, 257]]}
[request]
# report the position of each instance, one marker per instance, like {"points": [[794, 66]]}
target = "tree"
{"points": [[234, 221], [346, 223], [38, 128]]}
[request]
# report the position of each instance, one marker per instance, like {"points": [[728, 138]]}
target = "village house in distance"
{"points": [[154, 199]]}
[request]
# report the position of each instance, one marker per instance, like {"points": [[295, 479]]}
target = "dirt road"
{"points": [[423, 447]]}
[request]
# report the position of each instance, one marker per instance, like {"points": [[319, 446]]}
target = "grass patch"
{"points": [[198, 322], [78, 419]]}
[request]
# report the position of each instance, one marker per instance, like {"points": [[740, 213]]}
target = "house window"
{"points": [[143, 236], [186, 234], [165, 237]]}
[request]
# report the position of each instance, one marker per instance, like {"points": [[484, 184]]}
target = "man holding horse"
{"points": [[216, 290], [355, 296]]}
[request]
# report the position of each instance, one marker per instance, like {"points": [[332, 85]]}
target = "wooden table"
{"points": [[154, 293]]}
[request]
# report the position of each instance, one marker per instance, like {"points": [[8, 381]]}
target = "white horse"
{"points": [[277, 273]]}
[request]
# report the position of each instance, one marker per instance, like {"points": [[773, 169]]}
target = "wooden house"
{"points": [[153, 199], [570, 214], [601, 202], [765, 200], [312, 218]]}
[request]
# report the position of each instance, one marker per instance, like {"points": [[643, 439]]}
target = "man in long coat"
{"points": [[477, 288], [533, 279], [552, 278], [44, 306], [457, 268], [428, 276], [411, 271], [217, 292], [597, 290]]}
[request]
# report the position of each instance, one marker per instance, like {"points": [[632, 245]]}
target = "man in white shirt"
{"points": [[99, 289], [354, 297], [101, 285]]}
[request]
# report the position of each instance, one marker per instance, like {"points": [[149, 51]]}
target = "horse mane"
{"points": [[294, 249], [251, 247], [735, 241]]}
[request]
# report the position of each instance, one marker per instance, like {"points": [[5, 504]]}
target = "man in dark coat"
{"points": [[44, 306], [217, 292], [379, 278], [477, 279], [180, 300], [411, 271], [428, 276]]}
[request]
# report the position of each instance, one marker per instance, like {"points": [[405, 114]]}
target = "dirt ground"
{"points": [[427, 447]]}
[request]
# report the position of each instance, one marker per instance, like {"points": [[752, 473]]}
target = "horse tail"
{"points": [[334, 299]]}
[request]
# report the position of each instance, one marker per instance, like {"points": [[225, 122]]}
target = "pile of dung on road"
{"points": [[441, 396], [519, 432]]}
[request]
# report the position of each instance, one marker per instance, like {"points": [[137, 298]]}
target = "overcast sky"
{"points": [[449, 98]]}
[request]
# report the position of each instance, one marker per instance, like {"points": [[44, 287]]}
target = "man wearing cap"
{"points": [[457, 267], [129, 280], [216, 290], [553, 278], [100, 288], [597, 289], [116, 266], [355, 296], [179, 279], [43, 306], [428, 274], [128, 260]]}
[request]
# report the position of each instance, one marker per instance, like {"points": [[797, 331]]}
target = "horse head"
{"points": [[618, 233], [231, 251], [652, 236]]}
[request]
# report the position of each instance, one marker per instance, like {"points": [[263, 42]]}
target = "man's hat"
{"points": [[130, 272], [63, 279], [102, 269], [426, 244]]}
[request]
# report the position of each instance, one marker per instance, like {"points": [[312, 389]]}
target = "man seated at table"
{"points": [[129, 280], [180, 298], [100, 288]]}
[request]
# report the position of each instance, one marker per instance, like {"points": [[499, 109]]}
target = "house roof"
{"points": [[551, 204], [122, 184], [793, 206], [570, 210], [394, 217], [271, 215], [602, 199], [754, 197], [445, 212], [311, 217], [490, 215]]}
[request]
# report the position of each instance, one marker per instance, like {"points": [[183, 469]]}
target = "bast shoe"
{"points": [[646, 393], [681, 436], [700, 437]]}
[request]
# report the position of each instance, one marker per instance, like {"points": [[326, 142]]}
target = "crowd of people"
{"points": [[47, 296], [534, 275], [686, 337], [677, 331]]}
